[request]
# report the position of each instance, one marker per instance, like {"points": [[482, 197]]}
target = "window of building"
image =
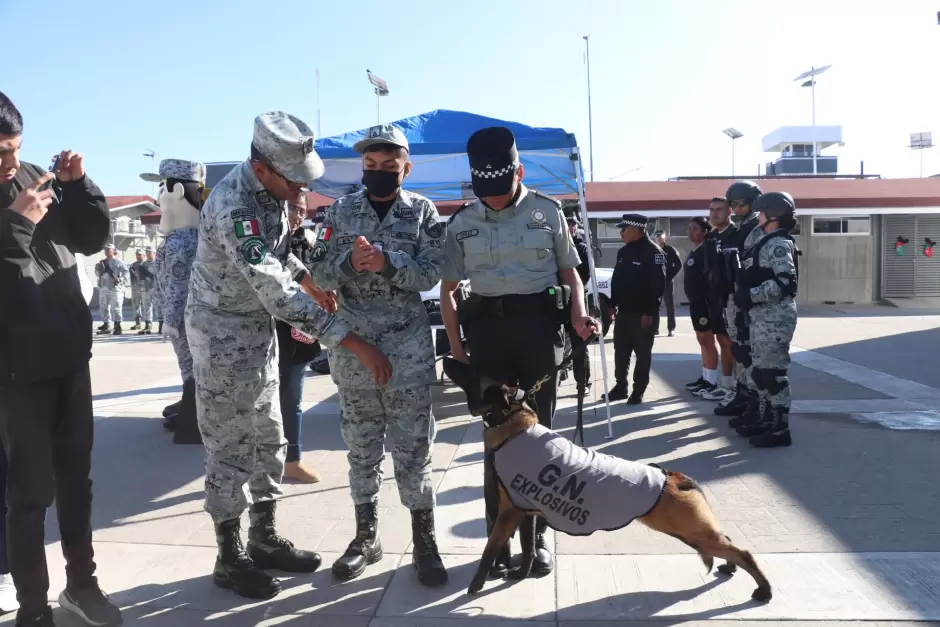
{"points": [[856, 225], [607, 230]]}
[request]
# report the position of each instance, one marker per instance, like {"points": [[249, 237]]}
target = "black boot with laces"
{"points": [[271, 551], [235, 571], [425, 556], [365, 548]]}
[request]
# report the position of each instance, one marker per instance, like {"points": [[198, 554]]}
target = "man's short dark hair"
{"points": [[11, 122], [721, 199], [386, 149]]}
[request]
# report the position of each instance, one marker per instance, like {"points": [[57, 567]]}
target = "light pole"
{"points": [[733, 134], [811, 83], [587, 57], [381, 89], [921, 141], [153, 164]]}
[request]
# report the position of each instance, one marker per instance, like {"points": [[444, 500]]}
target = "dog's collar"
{"points": [[513, 408]]}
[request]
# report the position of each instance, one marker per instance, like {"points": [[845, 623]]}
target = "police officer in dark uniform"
{"points": [[745, 406], [636, 291], [513, 245]]}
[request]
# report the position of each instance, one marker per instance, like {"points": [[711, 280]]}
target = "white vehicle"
{"points": [[432, 299]]}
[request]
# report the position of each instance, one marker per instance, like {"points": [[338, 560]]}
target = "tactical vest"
{"points": [[754, 275], [577, 490]]}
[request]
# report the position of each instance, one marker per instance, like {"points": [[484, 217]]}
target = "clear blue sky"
{"points": [[110, 78]]}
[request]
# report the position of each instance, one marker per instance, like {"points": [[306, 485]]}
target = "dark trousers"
{"points": [[630, 337], [4, 563], [670, 302], [519, 349], [48, 433], [291, 390]]}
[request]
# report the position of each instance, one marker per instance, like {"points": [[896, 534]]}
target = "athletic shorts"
{"points": [[716, 313], [701, 316]]}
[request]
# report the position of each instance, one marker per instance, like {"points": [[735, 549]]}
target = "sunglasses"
{"points": [[737, 203]]}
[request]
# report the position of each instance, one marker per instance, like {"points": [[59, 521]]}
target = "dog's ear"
{"points": [[495, 397]]}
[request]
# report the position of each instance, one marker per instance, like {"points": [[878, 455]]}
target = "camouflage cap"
{"points": [[288, 145], [382, 134], [179, 169], [139, 251]]}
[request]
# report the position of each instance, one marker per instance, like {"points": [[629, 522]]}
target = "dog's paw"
{"points": [[518, 573], [762, 594], [727, 569], [475, 586]]}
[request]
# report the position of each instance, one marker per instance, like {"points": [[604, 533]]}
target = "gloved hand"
{"points": [[742, 298], [170, 332]]}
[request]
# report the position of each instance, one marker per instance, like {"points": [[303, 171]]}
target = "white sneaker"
{"points": [[718, 394], [8, 602]]}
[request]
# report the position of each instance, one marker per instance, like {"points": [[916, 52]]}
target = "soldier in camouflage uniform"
{"points": [[136, 281], [146, 292], [745, 406], [767, 294], [113, 279], [181, 185], [238, 284], [380, 248]]}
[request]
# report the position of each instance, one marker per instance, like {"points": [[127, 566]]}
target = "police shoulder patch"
{"points": [[780, 251], [432, 228], [659, 258], [319, 252], [691, 262], [254, 250]]}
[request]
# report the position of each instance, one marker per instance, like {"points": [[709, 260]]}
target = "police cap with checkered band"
{"points": [[494, 160], [633, 219]]}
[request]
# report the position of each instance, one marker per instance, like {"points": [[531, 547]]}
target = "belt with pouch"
{"points": [[554, 301]]}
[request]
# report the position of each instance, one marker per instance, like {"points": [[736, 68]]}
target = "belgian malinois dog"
{"points": [[680, 510]]}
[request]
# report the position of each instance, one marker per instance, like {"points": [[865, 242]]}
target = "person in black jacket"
{"points": [[636, 290], [46, 419], [673, 266], [296, 350], [581, 364]]}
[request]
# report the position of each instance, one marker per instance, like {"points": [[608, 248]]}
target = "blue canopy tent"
{"points": [[441, 172]]}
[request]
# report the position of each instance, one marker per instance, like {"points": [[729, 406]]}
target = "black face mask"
{"points": [[381, 183]]}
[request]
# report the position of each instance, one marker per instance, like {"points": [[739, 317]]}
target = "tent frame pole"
{"points": [[576, 156]]}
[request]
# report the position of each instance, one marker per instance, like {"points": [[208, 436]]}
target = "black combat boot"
{"points": [[635, 398], [424, 555], [160, 328], [736, 406], [752, 413], [617, 393], [104, 329], [235, 571], [136, 324], [778, 431], [117, 329], [763, 422], [544, 560], [271, 551], [365, 548], [146, 330], [185, 423]]}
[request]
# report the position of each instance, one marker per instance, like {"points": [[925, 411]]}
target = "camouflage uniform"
{"points": [[738, 323], [136, 289], [237, 284], [386, 310], [773, 321], [176, 259], [146, 291], [156, 296], [111, 294]]}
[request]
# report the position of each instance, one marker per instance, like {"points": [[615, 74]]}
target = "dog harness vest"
{"points": [[577, 490]]}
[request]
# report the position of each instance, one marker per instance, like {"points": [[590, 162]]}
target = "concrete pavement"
{"points": [[844, 523]]}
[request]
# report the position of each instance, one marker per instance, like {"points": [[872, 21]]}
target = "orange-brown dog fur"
{"points": [[682, 512]]}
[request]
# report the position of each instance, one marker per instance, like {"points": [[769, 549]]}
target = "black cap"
{"points": [[746, 191], [493, 161], [775, 205], [633, 219]]}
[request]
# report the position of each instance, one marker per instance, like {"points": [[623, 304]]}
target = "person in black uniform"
{"points": [[673, 266], [581, 364], [695, 282], [636, 291]]}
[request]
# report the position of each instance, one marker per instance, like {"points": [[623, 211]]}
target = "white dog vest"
{"points": [[577, 490]]}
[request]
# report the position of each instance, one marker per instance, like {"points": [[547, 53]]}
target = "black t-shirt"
{"points": [[382, 207], [695, 278]]}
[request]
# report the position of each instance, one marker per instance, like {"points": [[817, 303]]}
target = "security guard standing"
{"points": [[746, 404], [136, 287], [513, 245], [636, 289], [767, 292]]}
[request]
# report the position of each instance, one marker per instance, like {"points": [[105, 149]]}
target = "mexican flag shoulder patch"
{"points": [[325, 233], [246, 228]]}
